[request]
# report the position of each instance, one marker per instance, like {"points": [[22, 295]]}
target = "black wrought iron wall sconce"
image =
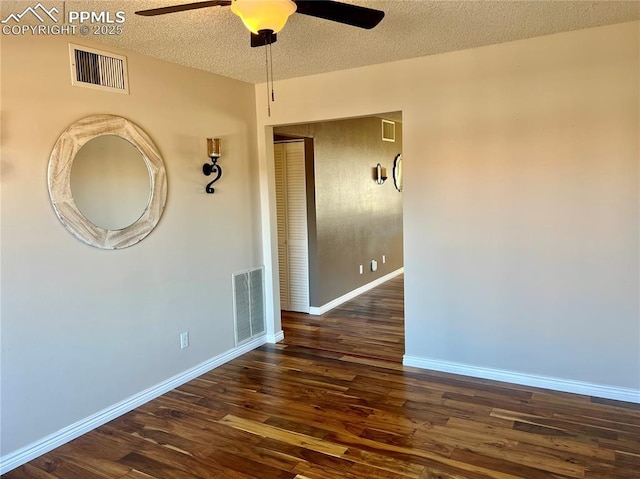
{"points": [[213, 151], [380, 174]]}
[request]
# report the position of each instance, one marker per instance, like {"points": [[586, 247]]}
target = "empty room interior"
{"points": [[319, 239]]}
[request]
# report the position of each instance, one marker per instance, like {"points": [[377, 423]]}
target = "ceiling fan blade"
{"points": [[181, 8], [263, 39], [354, 15]]}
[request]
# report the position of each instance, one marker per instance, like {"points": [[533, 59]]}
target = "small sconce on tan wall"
{"points": [[213, 151], [380, 174]]}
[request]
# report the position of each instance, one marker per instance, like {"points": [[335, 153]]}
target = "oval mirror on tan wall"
{"points": [[397, 172], [107, 181]]}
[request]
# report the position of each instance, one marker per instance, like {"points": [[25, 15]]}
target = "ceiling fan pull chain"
{"points": [[273, 97], [266, 60]]}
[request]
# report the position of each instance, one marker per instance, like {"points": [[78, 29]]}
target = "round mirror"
{"points": [[397, 172], [110, 182], [116, 195]]}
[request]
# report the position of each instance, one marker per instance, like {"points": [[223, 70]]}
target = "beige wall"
{"points": [[520, 201], [84, 328], [357, 220]]}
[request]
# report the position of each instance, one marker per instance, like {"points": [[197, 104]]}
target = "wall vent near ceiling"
{"points": [[388, 131], [248, 305], [98, 69]]}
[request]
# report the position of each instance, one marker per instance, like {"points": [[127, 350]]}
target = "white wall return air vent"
{"points": [[388, 131], [248, 305], [98, 69]]}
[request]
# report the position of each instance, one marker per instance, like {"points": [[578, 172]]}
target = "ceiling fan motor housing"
{"points": [[271, 15]]}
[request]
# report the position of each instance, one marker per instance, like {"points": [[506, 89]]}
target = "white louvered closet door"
{"points": [[291, 205]]}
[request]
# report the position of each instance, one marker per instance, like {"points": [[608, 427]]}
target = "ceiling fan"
{"points": [[265, 18]]}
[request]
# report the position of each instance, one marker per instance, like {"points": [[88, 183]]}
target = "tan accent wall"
{"points": [[357, 220]]}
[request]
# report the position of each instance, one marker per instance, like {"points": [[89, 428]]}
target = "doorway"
{"points": [[354, 216]]}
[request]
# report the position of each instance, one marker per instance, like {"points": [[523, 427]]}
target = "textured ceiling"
{"points": [[214, 39]]}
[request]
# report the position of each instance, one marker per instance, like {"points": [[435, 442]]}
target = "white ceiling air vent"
{"points": [[97, 69], [388, 131]]}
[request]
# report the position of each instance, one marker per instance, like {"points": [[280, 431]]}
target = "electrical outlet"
{"points": [[361, 269], [374, 265], [384, 258], [184, 340]]}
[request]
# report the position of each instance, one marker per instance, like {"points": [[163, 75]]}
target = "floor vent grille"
{"points": [[98, 69], [248, 302]]}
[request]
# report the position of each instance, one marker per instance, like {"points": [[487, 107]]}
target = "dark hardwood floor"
{"points": [[334, 401], [371, 325]]}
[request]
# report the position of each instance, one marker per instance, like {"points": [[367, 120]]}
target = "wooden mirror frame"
{"points": [[59, 181]]}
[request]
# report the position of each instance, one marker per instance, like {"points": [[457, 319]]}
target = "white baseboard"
{"points": [[48, 443], [546, 382], [275, 338], [318, 311]]}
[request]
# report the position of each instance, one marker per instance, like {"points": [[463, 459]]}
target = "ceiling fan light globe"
{"points": [[263, 14]]}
